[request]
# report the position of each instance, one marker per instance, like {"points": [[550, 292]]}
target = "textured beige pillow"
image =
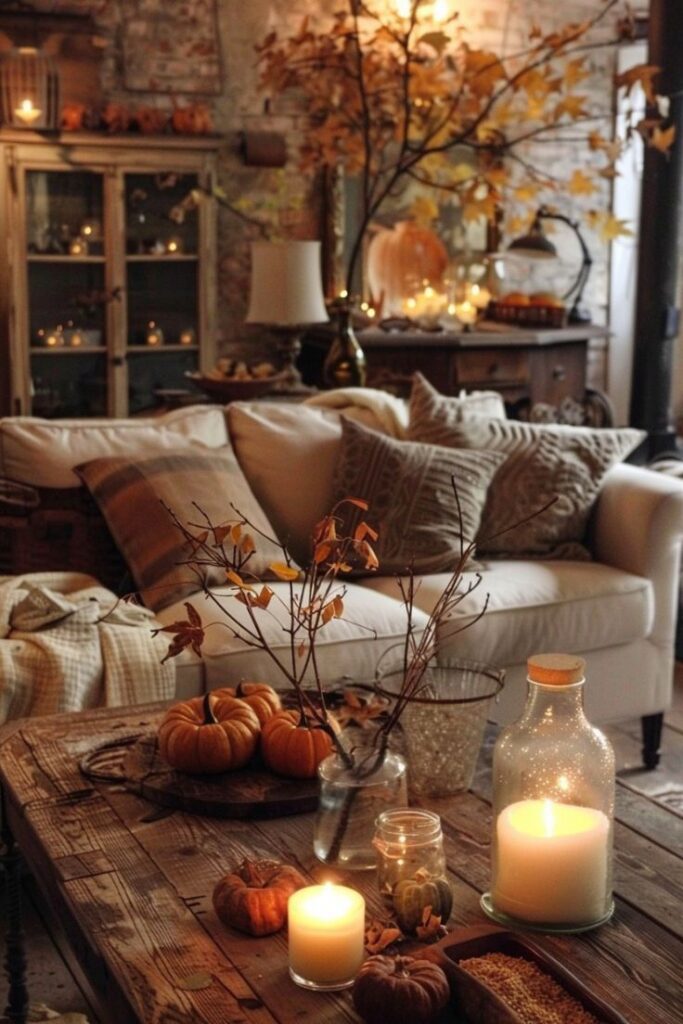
{"points": [[542, 462], [288, 453], [431, 411], [409, 490], [130, 493]]}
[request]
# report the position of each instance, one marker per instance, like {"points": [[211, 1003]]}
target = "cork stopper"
{"points": [[556, 669]]}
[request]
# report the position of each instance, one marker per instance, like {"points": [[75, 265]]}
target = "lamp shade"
{"points": [[29, 89], [536, 245], [286, 284]]}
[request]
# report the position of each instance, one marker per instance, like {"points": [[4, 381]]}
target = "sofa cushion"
{"points": [[430, 412], [131, 494], [409, 491], [44, 452], [543, 462], [288, 454], [540, 606], [347, 648]]}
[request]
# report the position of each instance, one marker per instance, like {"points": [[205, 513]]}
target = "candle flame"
{"points": [[548, 818]]}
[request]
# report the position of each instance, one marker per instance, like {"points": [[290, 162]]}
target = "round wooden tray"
{"points": [[251, 792]]}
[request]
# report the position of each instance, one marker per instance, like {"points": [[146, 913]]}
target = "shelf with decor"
{"points": [[111, 261]]}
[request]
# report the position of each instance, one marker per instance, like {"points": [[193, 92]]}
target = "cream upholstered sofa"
{"points": [[618, 610]]}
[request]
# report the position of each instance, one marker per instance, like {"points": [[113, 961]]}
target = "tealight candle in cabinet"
{"points": [[27, 112], [187, 337], [52, 339], [326, 926], [154, 335], [174, 246], [78, 247]]}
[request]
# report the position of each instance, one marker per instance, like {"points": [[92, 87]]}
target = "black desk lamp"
{"points": [[536, 245]]}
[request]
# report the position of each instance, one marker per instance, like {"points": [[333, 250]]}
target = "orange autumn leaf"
{"points": [[572, 106], [642, 75], [284, 572], [264, 597], [363, 530], [483, 71], [247, 545], [322, 552], [575, 72], [662, 138]]}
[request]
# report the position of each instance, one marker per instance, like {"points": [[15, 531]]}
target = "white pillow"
{"points": [[288, 454], [43, 452]]}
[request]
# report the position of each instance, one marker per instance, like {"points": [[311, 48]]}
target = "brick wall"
{"points": [[288, 202]]}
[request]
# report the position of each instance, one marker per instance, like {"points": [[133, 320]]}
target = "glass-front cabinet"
{"points": [[109, 281]]}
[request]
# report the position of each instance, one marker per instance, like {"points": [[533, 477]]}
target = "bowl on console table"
{"points": [[236, 389]]}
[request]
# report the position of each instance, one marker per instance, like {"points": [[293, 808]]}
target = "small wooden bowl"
{"points": [[479, 1003], [233, 389]]}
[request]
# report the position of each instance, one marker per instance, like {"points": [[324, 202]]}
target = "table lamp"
{"points": [[536, 245], [287, 295]]}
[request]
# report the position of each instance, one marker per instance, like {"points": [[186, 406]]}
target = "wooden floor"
{"points": [[53, 980]]}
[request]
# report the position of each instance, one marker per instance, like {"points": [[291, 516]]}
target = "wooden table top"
{"points": [[132, 885]]}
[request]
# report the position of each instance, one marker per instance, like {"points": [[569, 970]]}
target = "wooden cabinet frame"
{"points": [[113, 158]]}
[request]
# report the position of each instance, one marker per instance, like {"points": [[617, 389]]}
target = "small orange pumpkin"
{"points": [[209, 734], [292, 749], [253, 898], [260, 697]]}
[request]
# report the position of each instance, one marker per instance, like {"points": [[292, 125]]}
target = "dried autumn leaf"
{"points": [[363, 530], [430, 928], [236, 580], [580, 184], [264, 597], [195, 982], [322, 552], [642, 75], [186, 633], [247, 545], [284, 572], [663, 138], [572, 106], [385, 939], [236, 533]]}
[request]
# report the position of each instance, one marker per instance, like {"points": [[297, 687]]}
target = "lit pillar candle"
{"points": [[326, 925], [552, 862]]}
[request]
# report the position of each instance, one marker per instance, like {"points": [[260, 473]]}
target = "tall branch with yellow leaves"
{"points": [[391, 96]]}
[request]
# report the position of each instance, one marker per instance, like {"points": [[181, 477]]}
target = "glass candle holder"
{"points": [[553, 808], [408, 844], [154, 334], [326, 933]]}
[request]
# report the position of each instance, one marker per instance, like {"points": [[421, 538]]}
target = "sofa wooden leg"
{"points": [[651, 726]]}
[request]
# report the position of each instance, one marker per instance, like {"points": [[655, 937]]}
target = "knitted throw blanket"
{"points": [[58, 652]]}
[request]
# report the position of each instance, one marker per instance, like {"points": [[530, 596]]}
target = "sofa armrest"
{"points": [[639, 528]]}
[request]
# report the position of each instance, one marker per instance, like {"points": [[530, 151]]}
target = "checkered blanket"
{"points": [[67, 644]]}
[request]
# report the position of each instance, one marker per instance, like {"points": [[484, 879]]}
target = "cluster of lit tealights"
{"points": [[62, 337], [431, 305]]}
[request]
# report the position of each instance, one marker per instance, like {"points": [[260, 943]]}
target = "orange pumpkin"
{"points": [[260, 697], [209, 734], [292, 749], [254, 898], [399, 258]]}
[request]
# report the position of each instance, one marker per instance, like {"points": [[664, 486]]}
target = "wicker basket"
{"points": [[65, 532], [528, 316]]}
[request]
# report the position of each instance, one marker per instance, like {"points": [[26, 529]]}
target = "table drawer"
{"points": [[492, 366]]}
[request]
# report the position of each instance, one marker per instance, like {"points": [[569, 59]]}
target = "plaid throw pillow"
{"points": [[131, 494], [409, 491]]}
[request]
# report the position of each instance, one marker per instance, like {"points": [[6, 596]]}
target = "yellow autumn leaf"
{"points": [[575, 72], [580, 184], [596, 141], [572, 106], [247, 545], [424, 210], [642, 75], [525, 193], [662, 138], [607, 225], [284, 572], [236, 533], [338, 606]]}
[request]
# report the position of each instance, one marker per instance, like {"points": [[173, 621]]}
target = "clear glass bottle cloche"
{"points": [[553, 808]]}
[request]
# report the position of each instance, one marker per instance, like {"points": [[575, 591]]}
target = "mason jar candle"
{"points": [[409, 844]]}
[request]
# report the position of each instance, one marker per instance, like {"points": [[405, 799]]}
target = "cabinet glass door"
{"points": [[67, 295], [162, 288]]}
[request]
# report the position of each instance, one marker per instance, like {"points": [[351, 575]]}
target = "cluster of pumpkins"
{"points": [[225, 729], [535, 299]]}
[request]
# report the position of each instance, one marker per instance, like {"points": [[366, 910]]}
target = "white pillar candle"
{"points": [[552, 862], [326, 925]]}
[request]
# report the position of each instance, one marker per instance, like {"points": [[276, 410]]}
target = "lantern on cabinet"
{"points": [[29, 89]]}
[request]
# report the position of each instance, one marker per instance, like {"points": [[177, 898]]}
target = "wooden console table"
{"points": [[542, 365], [131, 884]]}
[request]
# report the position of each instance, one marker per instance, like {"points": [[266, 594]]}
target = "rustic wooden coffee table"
{"points": [[131, 884]]}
